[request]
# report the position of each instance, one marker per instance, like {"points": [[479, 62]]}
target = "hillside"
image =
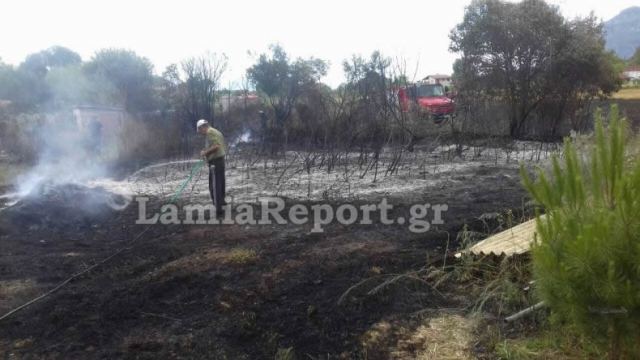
{"points": [[622, 32]]}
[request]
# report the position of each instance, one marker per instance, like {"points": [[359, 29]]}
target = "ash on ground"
{"points": [[56, 206]]}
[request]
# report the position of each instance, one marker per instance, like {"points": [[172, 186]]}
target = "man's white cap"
{"points": [[201, 122]]}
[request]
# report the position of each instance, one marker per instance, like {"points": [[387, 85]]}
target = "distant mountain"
{"points": [[622, 32]]}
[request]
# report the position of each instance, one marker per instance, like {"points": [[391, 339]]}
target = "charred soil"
{"points": [[224, 291]]}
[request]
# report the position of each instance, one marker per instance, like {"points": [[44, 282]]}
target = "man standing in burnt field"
{"points": [[213, 154]]}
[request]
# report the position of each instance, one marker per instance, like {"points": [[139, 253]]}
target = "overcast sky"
{"points": [[169, 31]]}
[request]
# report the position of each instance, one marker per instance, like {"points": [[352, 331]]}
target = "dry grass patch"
{"points": [[242, 256], [443, 336], [204, 261], [194, 263], [15, 292], [628, 94]]}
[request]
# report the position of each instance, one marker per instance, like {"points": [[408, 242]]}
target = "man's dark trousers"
{"points": [[217, 183]]}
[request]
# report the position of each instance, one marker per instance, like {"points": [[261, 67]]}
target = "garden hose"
{"points": [[194, 170]]}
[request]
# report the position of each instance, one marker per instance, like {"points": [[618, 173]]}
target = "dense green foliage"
{"points": [[587, 257], [531, 57], [130, 74], [282, 81], [56, 78]]}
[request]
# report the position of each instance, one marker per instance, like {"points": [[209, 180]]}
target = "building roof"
{"points": [[98, 108], [633, 68], [438, 76]]}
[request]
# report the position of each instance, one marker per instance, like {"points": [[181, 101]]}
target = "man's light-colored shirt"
{"points": [[215, 137]]}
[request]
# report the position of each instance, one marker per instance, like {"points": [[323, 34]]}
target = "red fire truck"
{"points": [[430, 99]]}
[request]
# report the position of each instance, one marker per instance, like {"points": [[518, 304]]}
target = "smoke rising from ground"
{"points": [[66, 154]]}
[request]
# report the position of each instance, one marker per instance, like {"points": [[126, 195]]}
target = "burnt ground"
{"points": [[225, 291]]}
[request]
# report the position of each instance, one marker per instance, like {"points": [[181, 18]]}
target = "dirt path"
{"points": [[236, 292]]}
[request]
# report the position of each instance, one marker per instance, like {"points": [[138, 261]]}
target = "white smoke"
{"points": [[245, 137], [66, 154]]}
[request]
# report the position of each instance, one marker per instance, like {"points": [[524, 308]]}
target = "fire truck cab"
{"points": [[430, 99]]}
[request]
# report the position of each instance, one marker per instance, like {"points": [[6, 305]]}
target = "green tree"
{"points": [[369, 80], [22, 88], [170, 86], [281, 81], [586, 259], [519, 52], [581, 71], [130, 74], [26, 86], [56, 56], [70, 86]]}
